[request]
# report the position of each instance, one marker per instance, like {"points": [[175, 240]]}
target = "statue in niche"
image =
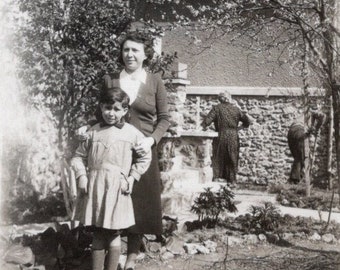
{"points": [[189, 158], [203, 154]]}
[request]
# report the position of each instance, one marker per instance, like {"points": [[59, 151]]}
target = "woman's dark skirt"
{"points": [[146, 198]]}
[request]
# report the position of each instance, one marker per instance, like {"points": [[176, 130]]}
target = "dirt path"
{"points": [[296, 255], [249, 197]]}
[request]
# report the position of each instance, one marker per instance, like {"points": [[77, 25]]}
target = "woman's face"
{"points": [[133, 55]]}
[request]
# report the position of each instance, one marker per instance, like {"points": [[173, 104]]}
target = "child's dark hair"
{"points": [[114, 94], [139, 38]]}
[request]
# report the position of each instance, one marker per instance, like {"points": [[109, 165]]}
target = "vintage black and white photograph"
{"points": [[170, 134]]}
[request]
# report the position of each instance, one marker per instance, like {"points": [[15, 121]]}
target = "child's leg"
{"points": [[113, 253], [134, 245], [98, 250]]}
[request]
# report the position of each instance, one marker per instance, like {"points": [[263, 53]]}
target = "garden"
{"points": [[262, 237], [56, 52]]}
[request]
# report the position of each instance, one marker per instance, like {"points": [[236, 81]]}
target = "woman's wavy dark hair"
{"points": [[139, 38]]}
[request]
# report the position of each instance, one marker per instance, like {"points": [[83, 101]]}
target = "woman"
{"points": [[148, 113], [226, 117]]}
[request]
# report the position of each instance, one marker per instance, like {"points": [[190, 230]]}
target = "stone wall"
{"points": [[264, 155]]}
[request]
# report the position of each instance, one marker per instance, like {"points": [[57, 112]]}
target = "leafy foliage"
{"points": [[265, 217], [260, 219], [294, 196], [209, 204], [65, 47], [27, 206], [163, 64]]}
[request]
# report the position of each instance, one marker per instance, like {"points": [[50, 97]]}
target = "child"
{"points": [[106, 167]]}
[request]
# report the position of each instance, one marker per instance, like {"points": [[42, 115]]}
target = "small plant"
{"points": [[262, 219], [209, 205]]}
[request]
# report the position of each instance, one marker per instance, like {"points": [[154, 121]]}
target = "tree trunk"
{"points": [[307, 161], [330, 182], [336, 90], [336, 108]]}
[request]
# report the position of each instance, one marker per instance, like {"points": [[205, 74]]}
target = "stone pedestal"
{"points": [[185, 156], [185, 167]]}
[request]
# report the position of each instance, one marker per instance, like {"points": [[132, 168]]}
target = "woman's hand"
{"points": [[144, 146], [82, 184], [127, 185], [81, 133]]}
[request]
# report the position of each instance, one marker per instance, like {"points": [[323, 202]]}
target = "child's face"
{"points": [[113, 113]]}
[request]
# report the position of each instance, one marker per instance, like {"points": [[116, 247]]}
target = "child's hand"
{"points": [[81, 133], [82, 184], [131, 181], [127, 185]]}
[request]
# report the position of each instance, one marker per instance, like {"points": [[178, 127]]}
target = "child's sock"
{"points": [[98, 259], [134, 246], [112, 258]]}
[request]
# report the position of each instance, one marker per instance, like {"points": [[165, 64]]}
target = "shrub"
{"points": [[28, 206], [261, 219], [209, 204]]}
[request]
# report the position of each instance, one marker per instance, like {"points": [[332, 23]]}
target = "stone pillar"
{"points": [[177, 97]]}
